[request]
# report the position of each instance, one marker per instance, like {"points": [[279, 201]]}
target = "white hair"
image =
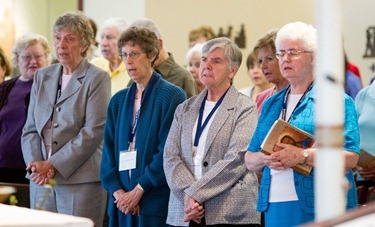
{"points": [[119, 23], [298, 31], [197, 48], [149, 24]]}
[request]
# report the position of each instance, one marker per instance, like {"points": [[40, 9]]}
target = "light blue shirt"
{"points": [[365, 105]]}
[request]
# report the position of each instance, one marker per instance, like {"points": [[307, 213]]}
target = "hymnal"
{"points": [[283, 132]]}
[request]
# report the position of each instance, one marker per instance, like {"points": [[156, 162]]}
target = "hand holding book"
{"points": [[284, 141]]}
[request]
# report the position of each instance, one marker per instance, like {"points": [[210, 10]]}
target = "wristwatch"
{"points": [[305, 154]]}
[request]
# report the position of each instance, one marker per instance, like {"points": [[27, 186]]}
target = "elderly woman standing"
{"points": [[138, 122], [284, 191], [204, 153], [62, 137], [30, 53]]}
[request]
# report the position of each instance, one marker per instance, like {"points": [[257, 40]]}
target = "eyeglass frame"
{"points": [[289, 53], [28, 58], [132, 55]]}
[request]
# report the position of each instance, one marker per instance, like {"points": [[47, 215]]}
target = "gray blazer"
{"points": [[78, 121], [229, 192]]}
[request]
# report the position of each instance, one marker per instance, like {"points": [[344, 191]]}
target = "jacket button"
{"points": [[54, 143], [58, 109], [55, 125], [205, 164]]}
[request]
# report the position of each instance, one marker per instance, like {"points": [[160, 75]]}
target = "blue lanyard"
{"points": [[145, 95], [201, 127], [285, 103]]}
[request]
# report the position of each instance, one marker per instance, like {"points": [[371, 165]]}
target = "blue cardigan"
{"points": [[153, 126], [303, 118]]}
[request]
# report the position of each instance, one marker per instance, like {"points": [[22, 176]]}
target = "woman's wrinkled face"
{"points": [[31, 59], [295, 67], [68, 47], [269, 65], [137, 63], [215, 71], [108, 44]]}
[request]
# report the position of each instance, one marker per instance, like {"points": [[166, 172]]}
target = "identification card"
{"points": [[128, 160]]}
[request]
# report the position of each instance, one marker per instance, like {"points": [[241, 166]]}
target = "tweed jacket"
{"points": [[228, 191], [78, 121]]}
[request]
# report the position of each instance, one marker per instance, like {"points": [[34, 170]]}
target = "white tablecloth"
{"points": [[20, 216]]}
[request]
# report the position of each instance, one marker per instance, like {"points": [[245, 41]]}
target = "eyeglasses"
{"points": [[68, 39], [30, 57], [292, 53], [132, 55]]}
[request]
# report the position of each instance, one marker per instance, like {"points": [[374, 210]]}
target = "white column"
{"points": [[330, 182]]}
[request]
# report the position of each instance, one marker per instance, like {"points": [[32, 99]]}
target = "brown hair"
{"points": [[251, 61], [203, 31], [267, 41], [145, 38]]}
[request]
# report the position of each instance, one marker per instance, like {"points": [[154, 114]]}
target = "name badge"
{"points": [[128, 160]]}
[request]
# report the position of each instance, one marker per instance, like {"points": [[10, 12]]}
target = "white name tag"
{"points": [[128, 160]]}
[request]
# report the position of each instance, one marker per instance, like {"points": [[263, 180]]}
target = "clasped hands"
{"points": [[193, 210], [41, 171], [128, 202], [287, 157]]}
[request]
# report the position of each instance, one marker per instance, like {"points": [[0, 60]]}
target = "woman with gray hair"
{"points": [[204, 152], [62, 137], [110, 32], [284, 191], [30, 53]]}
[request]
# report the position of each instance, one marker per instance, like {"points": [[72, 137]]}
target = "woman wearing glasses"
{"points": [[138, 122], [30, 53], [284, 191], [63, 135]]}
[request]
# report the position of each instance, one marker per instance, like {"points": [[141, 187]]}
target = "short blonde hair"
{"points": [[25, 41]]}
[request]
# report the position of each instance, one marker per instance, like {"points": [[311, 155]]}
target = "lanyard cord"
{"points": [[145, 95], [201, 127], [285, 102]]}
